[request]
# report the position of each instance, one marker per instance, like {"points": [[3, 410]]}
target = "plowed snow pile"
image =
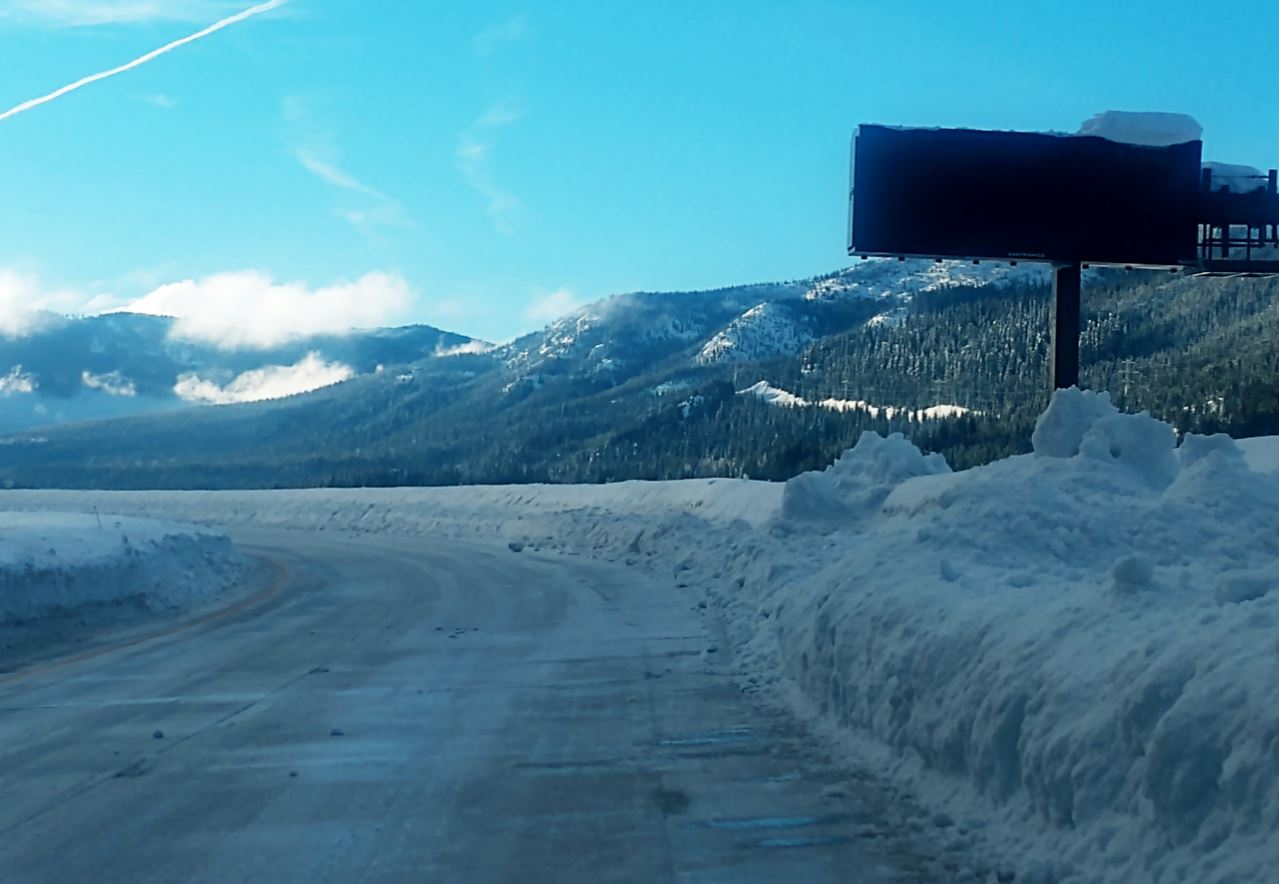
{"points": [[1071, 655], [56, 563], [1079, 644]]}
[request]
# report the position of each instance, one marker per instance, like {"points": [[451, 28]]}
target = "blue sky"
{"points": [[485, 166]]}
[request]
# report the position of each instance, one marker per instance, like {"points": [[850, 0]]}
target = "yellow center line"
{"points": [[257, 599]]}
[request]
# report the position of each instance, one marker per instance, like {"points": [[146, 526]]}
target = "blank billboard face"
{"points": [[963, 193]]}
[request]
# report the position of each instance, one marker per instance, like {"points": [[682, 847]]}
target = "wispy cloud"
{"points": [[474, 147], [497, 116], [550, 307], [336, 176], [141, 60], [82, 13], [319, 157], [444, 311], [160, 100], [501, 34]]}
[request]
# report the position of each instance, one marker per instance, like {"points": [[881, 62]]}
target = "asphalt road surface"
{"points": [[398, 709]]}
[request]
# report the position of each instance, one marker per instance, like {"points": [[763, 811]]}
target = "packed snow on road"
{"points": [[1070, 655]]}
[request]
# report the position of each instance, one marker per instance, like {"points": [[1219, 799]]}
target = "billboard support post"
{"points": [[1067, 279]]}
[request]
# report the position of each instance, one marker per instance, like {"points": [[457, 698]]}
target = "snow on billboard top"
{"points": [[1146, 128], [967, 193]]}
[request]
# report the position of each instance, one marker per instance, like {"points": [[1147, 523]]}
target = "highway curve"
{"points": [[404, 709]]}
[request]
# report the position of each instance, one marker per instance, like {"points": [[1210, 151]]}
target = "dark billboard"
{"points": [[965, 193]]}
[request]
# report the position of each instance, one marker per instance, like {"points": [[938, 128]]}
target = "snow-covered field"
{"points": [[1071, 655], [54, 563]]}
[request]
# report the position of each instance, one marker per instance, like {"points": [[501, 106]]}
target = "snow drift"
{"points": [[54, 563]]}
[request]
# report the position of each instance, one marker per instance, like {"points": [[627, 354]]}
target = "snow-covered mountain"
{"points": [[771, 328], [627, 334], [885, 278], [615, 332]]}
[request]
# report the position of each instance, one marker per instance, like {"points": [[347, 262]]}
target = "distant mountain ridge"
{"points": [[630, 333], [759, 380], [68, 369]]}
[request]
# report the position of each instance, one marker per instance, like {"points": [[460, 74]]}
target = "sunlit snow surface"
{"points": [[887, 278], [1071, 654], [1149, 128], [765, 330], [776, 396], [1262, 453]]}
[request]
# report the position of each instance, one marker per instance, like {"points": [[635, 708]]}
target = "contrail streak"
{"points": [[138, 62]]}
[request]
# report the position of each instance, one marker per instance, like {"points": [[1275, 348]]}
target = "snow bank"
{"points": [[1077, 644], [52, 563], [1262, 453], [1070, 654], [1152, 129]]}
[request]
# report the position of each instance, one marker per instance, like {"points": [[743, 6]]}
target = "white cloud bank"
{"points": [[470, 347], [241, 309], [248, 309], [24, 303], [271, 382], [17, 295]]}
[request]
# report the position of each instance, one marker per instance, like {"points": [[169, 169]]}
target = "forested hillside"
{"points": [[563, 406]]}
